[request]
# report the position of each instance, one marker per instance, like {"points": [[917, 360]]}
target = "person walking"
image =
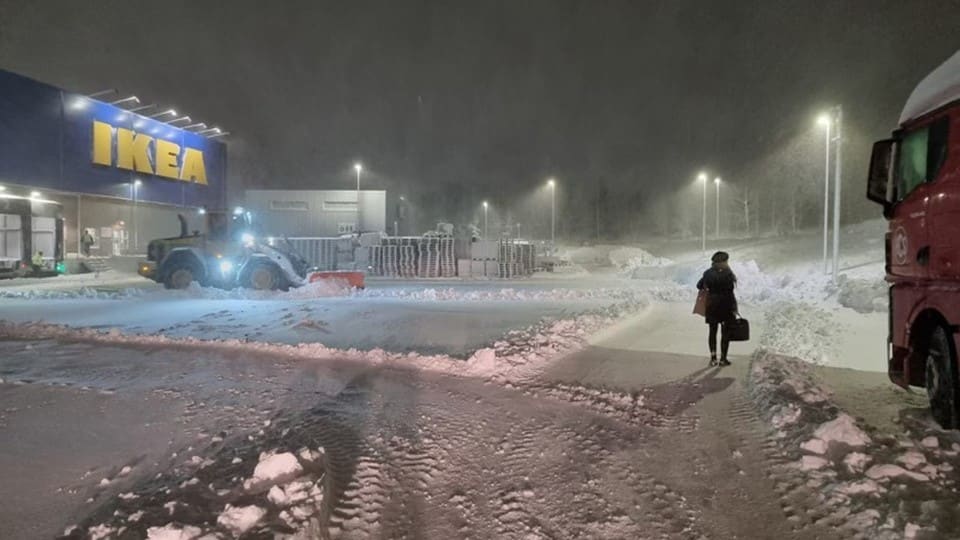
{"points": [[85, 242], [718, 282]]}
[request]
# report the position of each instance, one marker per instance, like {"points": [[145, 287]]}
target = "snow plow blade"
{"points": [[353, 279]]}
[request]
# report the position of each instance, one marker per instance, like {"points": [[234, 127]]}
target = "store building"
{"points": [[119, 175], [317, 213]]}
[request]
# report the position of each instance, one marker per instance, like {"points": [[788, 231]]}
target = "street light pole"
{"points": [[717, 182], [553, 211], [703, 233], [485, 208], [836, 196], [358, 167], [824, 121]]}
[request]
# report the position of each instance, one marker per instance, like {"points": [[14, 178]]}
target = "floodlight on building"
{"points": [[211, 130], [143, 107], [138, 182], [170, 112], [215, 135], [3, 188], [201, 210], [34, 194], [79, 103], [194, 126], [181, 119], [127, 99], [103, 93]]}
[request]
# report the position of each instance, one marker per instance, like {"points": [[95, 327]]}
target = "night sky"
{"points": [[475, 100]]}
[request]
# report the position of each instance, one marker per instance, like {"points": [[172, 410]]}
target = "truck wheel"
{"points": [[180, 278], [941, 379], [263, 277]]}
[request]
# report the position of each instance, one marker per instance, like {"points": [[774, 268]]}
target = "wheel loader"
{"points": [[228, 255]]}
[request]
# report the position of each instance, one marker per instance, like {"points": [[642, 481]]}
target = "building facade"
{"points": [[118, 175], [317, 213]]}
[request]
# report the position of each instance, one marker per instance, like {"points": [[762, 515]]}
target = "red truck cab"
{"points": [[915, 175]]}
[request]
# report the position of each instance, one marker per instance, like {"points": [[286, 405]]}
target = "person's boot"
{"points": [[713, 359], [724, 362]]}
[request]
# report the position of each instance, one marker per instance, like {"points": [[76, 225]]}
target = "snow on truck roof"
{"points": [[938, 88]]}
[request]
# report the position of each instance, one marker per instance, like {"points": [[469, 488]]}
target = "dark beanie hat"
{"points": [[719, 257]]}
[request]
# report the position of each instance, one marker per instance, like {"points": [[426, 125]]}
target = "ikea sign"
{"points": [[145, 154]]}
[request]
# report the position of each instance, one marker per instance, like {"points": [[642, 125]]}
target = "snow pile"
{"points": [[240, 519], [595, 255], [842, 429], [273, 469], [862, 295], [661, 291], [875, 486], [801, 330], [317, 289], [82, 293], [171, 531], [629, 259]]}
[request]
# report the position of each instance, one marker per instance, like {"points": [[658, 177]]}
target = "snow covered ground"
{"points": [[565, 406]]}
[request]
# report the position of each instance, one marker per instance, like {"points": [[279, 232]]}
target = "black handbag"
{"points": [[738, 330]]}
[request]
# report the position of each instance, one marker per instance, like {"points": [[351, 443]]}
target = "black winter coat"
{"points": [[721, 302]]}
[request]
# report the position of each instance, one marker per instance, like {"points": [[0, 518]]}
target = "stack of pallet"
{"points": [[428, 257], [515, 259]]}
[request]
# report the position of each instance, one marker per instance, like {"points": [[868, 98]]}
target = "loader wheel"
{"points": [[264, 277], [179, 278], [941, 379]]}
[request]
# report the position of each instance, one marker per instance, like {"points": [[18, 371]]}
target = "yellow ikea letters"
{"points": [[145, 154]]}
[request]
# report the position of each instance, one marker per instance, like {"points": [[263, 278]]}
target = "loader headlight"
{"points": [[247, 239], [226, 266]]}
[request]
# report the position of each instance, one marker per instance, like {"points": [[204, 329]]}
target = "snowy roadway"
{"points": [[551, 408], [670, 449]]}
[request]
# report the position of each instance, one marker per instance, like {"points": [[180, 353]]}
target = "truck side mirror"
{"points": [[880, 180]]}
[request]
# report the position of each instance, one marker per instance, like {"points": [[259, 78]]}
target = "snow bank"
{"points": [[856, 473], [862, 295], [515, 354], [83, 292], [801, 330], [630, 259]]}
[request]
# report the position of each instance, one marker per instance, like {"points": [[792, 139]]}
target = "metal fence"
{"points": [[421, 256], [325, 253]]}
